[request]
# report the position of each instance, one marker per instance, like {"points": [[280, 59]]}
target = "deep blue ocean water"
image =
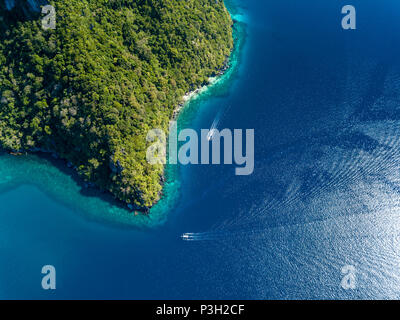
{"points": [[325, 192]]}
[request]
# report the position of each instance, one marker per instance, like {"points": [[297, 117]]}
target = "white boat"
{"points": [[210, 134], [186, 236]]}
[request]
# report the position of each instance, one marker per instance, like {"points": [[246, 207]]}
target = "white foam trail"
{"points": [[212, 129], [217, 120], [382, 224], [203, 236]]}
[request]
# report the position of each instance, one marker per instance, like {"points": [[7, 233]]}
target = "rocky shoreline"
{"points": [[191, 94]]}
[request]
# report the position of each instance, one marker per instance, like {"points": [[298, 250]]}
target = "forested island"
{"points": [[111, 70]]}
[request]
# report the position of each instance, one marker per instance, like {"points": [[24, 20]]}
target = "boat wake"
{"points": [[216, 235], [213, 127], [379, 225], [202, 236], [217, 119]]}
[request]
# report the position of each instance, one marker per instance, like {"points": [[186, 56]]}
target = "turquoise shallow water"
{"points": [[324, 104]]}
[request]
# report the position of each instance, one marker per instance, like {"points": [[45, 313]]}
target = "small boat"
{"points": [[210, 135], [185, 236]]}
